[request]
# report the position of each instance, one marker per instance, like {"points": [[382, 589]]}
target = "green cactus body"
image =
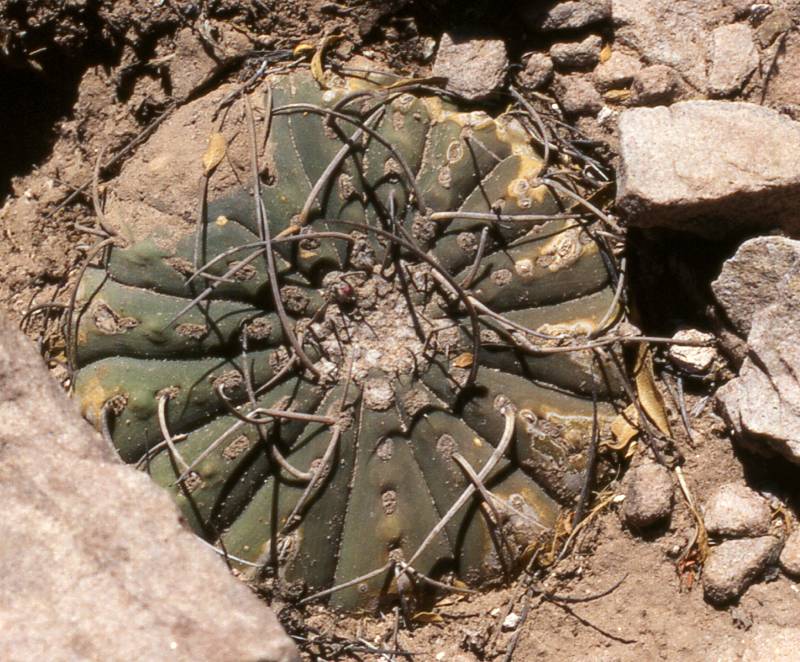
{"points": [[401, 401]]}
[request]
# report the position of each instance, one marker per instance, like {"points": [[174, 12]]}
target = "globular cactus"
{"points": [[366, 381]]}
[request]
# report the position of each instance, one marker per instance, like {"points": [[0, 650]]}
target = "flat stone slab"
{"points": [[709, 167], [95, 562]]}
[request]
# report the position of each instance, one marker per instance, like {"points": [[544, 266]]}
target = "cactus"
{"points": [[365, 382]]}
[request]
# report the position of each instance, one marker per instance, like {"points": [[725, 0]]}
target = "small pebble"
{"points": [[772, 26], [655, 85], [577, 95], [790, 556], [734, 57], [616, 72], [538, 72], [648, 495], [510, 622], [694, 359], [474, 68], [732, 566], [572, 14], [736, 510], [577, 54]]}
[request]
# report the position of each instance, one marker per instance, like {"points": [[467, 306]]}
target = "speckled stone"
{"points": [[734, 565]]}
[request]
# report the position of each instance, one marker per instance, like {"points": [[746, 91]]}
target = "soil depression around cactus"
{"points": [[359, 385]]}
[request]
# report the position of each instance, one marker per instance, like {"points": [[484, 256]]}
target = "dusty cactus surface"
{"points": [[373, 365]]}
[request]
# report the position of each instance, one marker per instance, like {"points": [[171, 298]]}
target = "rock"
{"points": [[734, 565], [655, 85], [538, 72], [510, 622], [783, 89], [733, 59], [674, 33], [648, 495], [790, 554], [776, 23], [577, 54], [475, 68], [736, 510], [751, 279], [95, 562], [577, 95], [618, 71], [570, 15], [196, 61], [709, 167], [694, 359], [762, 405]]}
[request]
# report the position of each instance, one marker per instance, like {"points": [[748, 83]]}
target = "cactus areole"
{"points": [[354, 386]]}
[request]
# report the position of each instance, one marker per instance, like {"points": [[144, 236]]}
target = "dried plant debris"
{"points": [[378, 367]]}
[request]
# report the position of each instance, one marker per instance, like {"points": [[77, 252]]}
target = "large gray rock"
{"points": [[762, 405], [709, 167], [95, 562], [751, 280], [733, 57], [675, 33], [734, 565], [474, 68]]}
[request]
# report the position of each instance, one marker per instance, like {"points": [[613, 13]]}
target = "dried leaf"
{"points": [[463, 360], [605, 53], [649, 396], [303, 48], [317, 70], [214, 153], [624, 427], [427, 617]]}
